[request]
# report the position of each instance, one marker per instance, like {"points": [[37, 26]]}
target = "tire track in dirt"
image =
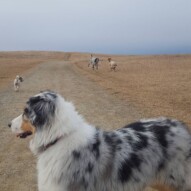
{"points": [[17, 164]]}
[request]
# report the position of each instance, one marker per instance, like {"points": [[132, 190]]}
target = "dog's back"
{"points": [[130, 158]]}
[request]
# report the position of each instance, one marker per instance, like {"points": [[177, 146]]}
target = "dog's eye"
{"points": [[26, 111], [25, 118]]}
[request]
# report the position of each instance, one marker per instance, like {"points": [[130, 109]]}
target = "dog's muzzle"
{"points": [[25, 134], [22, 135]]}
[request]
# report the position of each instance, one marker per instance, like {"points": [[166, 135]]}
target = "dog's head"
{"points": [[38, 113], [21, 79]]}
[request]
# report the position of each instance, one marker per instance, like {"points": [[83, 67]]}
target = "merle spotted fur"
{"points": [[85, 158]]}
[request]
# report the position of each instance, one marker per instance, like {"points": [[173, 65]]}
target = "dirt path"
{"points": [[17, 164]]}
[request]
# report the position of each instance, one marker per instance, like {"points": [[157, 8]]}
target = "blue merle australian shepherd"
{"points": [[76, 156]]}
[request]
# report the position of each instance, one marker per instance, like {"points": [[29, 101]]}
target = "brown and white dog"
{"points": [[76, 156], [112, 64]]}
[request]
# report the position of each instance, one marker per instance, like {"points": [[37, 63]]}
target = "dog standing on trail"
{"points": [[17, 83]]}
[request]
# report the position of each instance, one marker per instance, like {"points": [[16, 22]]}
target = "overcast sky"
{"points": [[102, 26]]}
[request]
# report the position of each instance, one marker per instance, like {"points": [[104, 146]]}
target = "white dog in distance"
{"points": [[17, 82]]}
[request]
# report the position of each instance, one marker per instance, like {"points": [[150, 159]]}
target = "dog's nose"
{"points": [[9, 125]]}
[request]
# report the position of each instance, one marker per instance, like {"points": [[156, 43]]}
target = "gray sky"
{"points": [[102, 26]]}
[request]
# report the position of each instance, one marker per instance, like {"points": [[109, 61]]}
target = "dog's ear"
{"points": [[41, 110]]}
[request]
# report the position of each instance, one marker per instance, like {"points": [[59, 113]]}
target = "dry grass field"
{"points": [[156, 85], [142, 86], [13, 63]]}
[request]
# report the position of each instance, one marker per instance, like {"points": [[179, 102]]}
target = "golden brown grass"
{"points": [[15, 63], [157, 85]]}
